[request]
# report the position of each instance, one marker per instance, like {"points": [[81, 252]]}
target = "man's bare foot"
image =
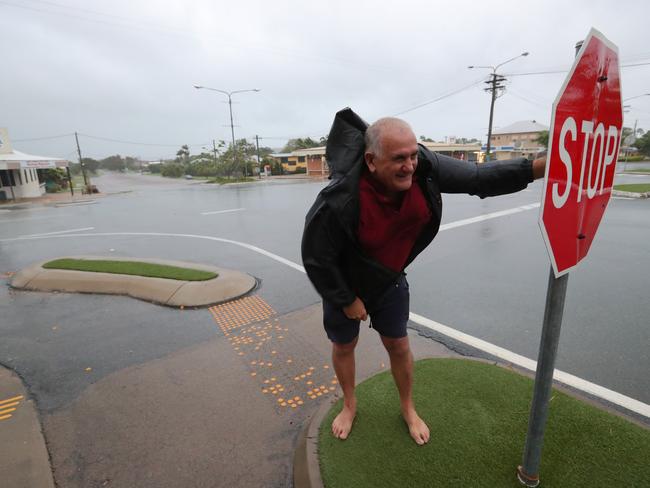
{"points": [[417, 428], [342, 424]]}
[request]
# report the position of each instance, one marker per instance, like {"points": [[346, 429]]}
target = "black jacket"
{"points": [[333, 258]]}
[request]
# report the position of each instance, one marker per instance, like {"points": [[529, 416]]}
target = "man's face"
{"points": [[394, 165]]}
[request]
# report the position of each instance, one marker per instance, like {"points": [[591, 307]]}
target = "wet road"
{"points": [[487, 279]]}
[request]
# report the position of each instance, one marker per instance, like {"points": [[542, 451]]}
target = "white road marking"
{"points": [[529, 364], [57, 232], [223, 211], [493, 215], [522, 361]]}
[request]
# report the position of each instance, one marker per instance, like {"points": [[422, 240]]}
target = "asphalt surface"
{"points": [[487, 279]]}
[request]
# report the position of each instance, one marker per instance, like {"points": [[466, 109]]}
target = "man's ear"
{"points": [[370, 161]]}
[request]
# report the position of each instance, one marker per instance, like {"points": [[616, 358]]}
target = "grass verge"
{"points": [[131, 268], [634, 187], [222, 181], [478, 416]]}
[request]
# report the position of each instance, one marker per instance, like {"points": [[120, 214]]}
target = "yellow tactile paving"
{"points": [[259, 338], [7, 406]]}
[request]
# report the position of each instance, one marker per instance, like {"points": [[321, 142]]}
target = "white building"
{"points": [[19, 176]]}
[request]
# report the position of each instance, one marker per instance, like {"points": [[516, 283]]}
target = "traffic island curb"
{"points": [[228, 285], [306, 467], [24, 458]]}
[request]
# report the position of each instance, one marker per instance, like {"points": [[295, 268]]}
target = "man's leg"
{"points": [[343, 360], [401, 365]]}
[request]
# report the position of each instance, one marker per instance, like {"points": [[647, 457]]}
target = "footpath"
{"points": [[241, 409]]}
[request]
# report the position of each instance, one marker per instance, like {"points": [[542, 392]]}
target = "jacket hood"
{"points": [[345, 143]]}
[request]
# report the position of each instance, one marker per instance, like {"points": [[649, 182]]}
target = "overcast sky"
{"points": [[124, 70]]}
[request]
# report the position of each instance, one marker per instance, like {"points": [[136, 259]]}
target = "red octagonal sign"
{"points": [[584, 139]]}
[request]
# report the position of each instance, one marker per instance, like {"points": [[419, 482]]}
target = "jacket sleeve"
{"points": [[322, 243], [484, 180]]}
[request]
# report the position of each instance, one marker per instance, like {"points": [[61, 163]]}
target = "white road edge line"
{"points": [[493, 215], [58, 232], [522, 361], [223, 211]]}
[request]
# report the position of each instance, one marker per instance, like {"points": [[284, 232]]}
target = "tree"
{"points": [[643, 144], [113, 163], [183, 154], [426, 139], [300, 143], [542, 138]]}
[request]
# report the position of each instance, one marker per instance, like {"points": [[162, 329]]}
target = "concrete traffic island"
{"points": [[228, 285]]}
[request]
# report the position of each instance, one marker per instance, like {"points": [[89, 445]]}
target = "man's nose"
{"points": [[410, 165]]}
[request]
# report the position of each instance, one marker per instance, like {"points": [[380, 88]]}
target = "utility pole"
{"points": [[494, 84], [259, 162], [214, 150], [83, 166]]}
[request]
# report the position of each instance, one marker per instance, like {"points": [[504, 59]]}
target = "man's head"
{"points": [[391, 154]]}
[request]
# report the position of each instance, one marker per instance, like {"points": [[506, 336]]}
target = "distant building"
{"points": [[19, 172], [467, 152], [516, 140], [310, 161]]}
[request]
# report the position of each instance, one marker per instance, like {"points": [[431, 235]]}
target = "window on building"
{"points": [[292, 163], [284, 160], [301, 159], [20, 178], [4, 178]]}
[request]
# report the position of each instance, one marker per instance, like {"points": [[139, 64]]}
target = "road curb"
{"points": [[630, 194], [306, 467], [24, 458], [229, 285]]}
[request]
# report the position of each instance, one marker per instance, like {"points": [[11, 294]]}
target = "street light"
{"points": [[495, 79], [232, 127]]}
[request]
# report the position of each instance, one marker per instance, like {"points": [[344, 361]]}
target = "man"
{"points": [[381, 210]]}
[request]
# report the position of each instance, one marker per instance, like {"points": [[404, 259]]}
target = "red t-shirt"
{"points": [[388, 230]]}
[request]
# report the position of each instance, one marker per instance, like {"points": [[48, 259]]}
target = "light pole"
{"points": [[232, 126], [495, 79]]}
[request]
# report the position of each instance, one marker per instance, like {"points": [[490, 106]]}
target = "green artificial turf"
{"points": [[131, 268], [634, 187], [478, 416]]}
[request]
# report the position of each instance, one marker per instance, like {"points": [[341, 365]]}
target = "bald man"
{"points": [[381, 210]]}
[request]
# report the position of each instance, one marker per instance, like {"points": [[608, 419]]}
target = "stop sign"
{"points": [[584, 138]]}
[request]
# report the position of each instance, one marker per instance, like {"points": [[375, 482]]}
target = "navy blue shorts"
{"points": [[389, 318]]}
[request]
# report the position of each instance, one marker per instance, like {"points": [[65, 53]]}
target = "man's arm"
{"points": [[487, 179], [322, 244], [539, 165]]}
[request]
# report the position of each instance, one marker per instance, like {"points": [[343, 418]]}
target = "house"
{"points": [[310, 161], [467, 152], [19, 172], [517, 140]]}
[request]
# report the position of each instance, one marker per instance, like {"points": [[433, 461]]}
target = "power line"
{"points": [[442, 97], [43, 138], [141, 143]]}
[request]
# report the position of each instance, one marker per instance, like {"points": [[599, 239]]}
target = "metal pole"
{"points": [[70, 180], [528, 472], [214, 150], [259, 161], [232, 131], [494, 96], [83, 166]]}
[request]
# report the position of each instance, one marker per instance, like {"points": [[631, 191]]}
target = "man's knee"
{"points": [[342, 350], [397, 347]]}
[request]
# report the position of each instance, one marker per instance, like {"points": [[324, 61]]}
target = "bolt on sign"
{"points": [[584, 139]]}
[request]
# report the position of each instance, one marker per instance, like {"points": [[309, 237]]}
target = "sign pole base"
{"points": [[526, 480]]}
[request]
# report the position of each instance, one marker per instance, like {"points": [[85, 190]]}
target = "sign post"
{"points": [[584, 139]]}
